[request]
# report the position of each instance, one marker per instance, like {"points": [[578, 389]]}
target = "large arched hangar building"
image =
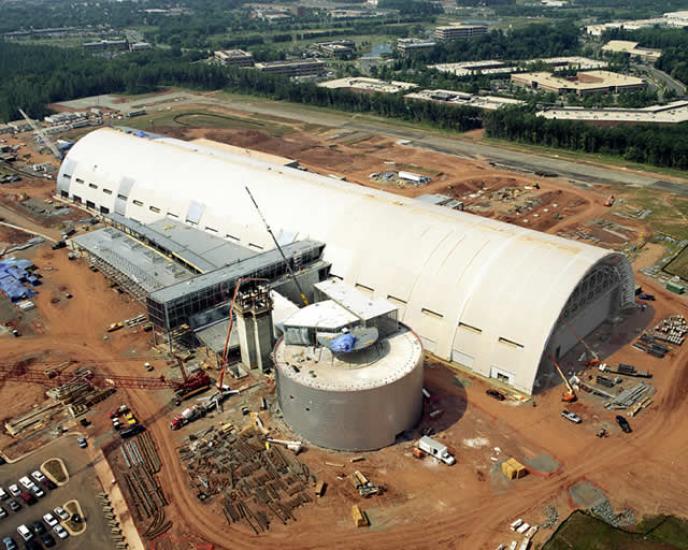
{"points": [[494, 297]]}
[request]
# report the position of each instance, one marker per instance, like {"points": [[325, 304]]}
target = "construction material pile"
{"points": [[673, 330], [143, 463], [259, 481], [79, 393], [638, 396]]}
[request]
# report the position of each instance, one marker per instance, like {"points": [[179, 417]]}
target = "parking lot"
{"points": [[83, 486]]}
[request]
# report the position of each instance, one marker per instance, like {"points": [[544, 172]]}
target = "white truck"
{"points": [[436, 449]]}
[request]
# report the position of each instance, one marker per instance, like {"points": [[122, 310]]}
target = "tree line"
{"points": [[37, 76], [659, 145]]}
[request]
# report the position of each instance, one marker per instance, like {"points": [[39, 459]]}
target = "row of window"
{"points": [[170, 214], [435, 315]]}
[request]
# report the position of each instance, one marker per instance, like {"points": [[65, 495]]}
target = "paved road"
{"points": [[667, 80]]}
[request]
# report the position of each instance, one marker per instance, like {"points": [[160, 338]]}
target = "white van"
{"points": [[3, 494]]}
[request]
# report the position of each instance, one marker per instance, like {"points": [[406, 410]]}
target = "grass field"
{"points": [[583, 532], [182, 118]]}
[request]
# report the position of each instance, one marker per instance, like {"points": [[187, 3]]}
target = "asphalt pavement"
{"points": [[82, 486]]}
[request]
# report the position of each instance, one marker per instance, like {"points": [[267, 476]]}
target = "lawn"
{"points": [[584, 532]]}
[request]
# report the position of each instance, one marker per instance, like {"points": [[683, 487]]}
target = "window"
{"points": [[396, 300], [104, 210], [364, 287], [93, 186], [67, 176], [470, 328], [138, 203], [107, 191], [431, 313], [256, 246], [79, 180], [76, 198], [122, 197], [90, 204], [210, 229], [64, 194], [154, 209], [510, 342], [237, 239]]}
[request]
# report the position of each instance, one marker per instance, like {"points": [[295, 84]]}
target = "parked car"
{"points": [[33, 544], [50, 519], [571, 416], [25, 482], [60, 531], [28, 498], [15, 506], [623, 423], [37, 475], [9, 543], [14, 490], [499, 396], [82, 442], [24, 532], [3, 512], [61, 513], [38, 528], [4, 495], [48, 540], [49, 485], [37, 491], [647, 297]]}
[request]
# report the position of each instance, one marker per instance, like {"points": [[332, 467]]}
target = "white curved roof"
{"points": [[461, 281]]}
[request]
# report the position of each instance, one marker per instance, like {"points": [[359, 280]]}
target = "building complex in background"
{"points": [[498, 299], [459, 31], [589, 82]]}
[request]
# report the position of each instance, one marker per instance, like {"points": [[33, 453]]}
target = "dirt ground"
{"points": [[427, 505]]}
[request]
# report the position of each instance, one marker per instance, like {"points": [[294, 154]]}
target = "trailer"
{"points": [[436, 449]]}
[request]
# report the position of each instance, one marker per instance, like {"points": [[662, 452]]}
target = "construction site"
{"points": [[287, 350]]}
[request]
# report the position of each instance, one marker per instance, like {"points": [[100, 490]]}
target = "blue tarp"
{"points": [[14, 272], [343, 343]]}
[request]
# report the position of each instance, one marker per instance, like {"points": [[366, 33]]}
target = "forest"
{"points": [[37, 76], [659, 145]]}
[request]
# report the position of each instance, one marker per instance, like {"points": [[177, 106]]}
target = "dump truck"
{"points": [[436, 449]]}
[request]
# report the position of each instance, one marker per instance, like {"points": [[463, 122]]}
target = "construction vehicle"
{"points": [[187, 416], [363, 485], [569, 396], [625, 370], [295, 446], [436, 449]]}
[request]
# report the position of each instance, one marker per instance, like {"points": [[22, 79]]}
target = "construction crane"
{"points": [[569, 396], [593, 357], [274, 239], [41, 134], [40, 373]]}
